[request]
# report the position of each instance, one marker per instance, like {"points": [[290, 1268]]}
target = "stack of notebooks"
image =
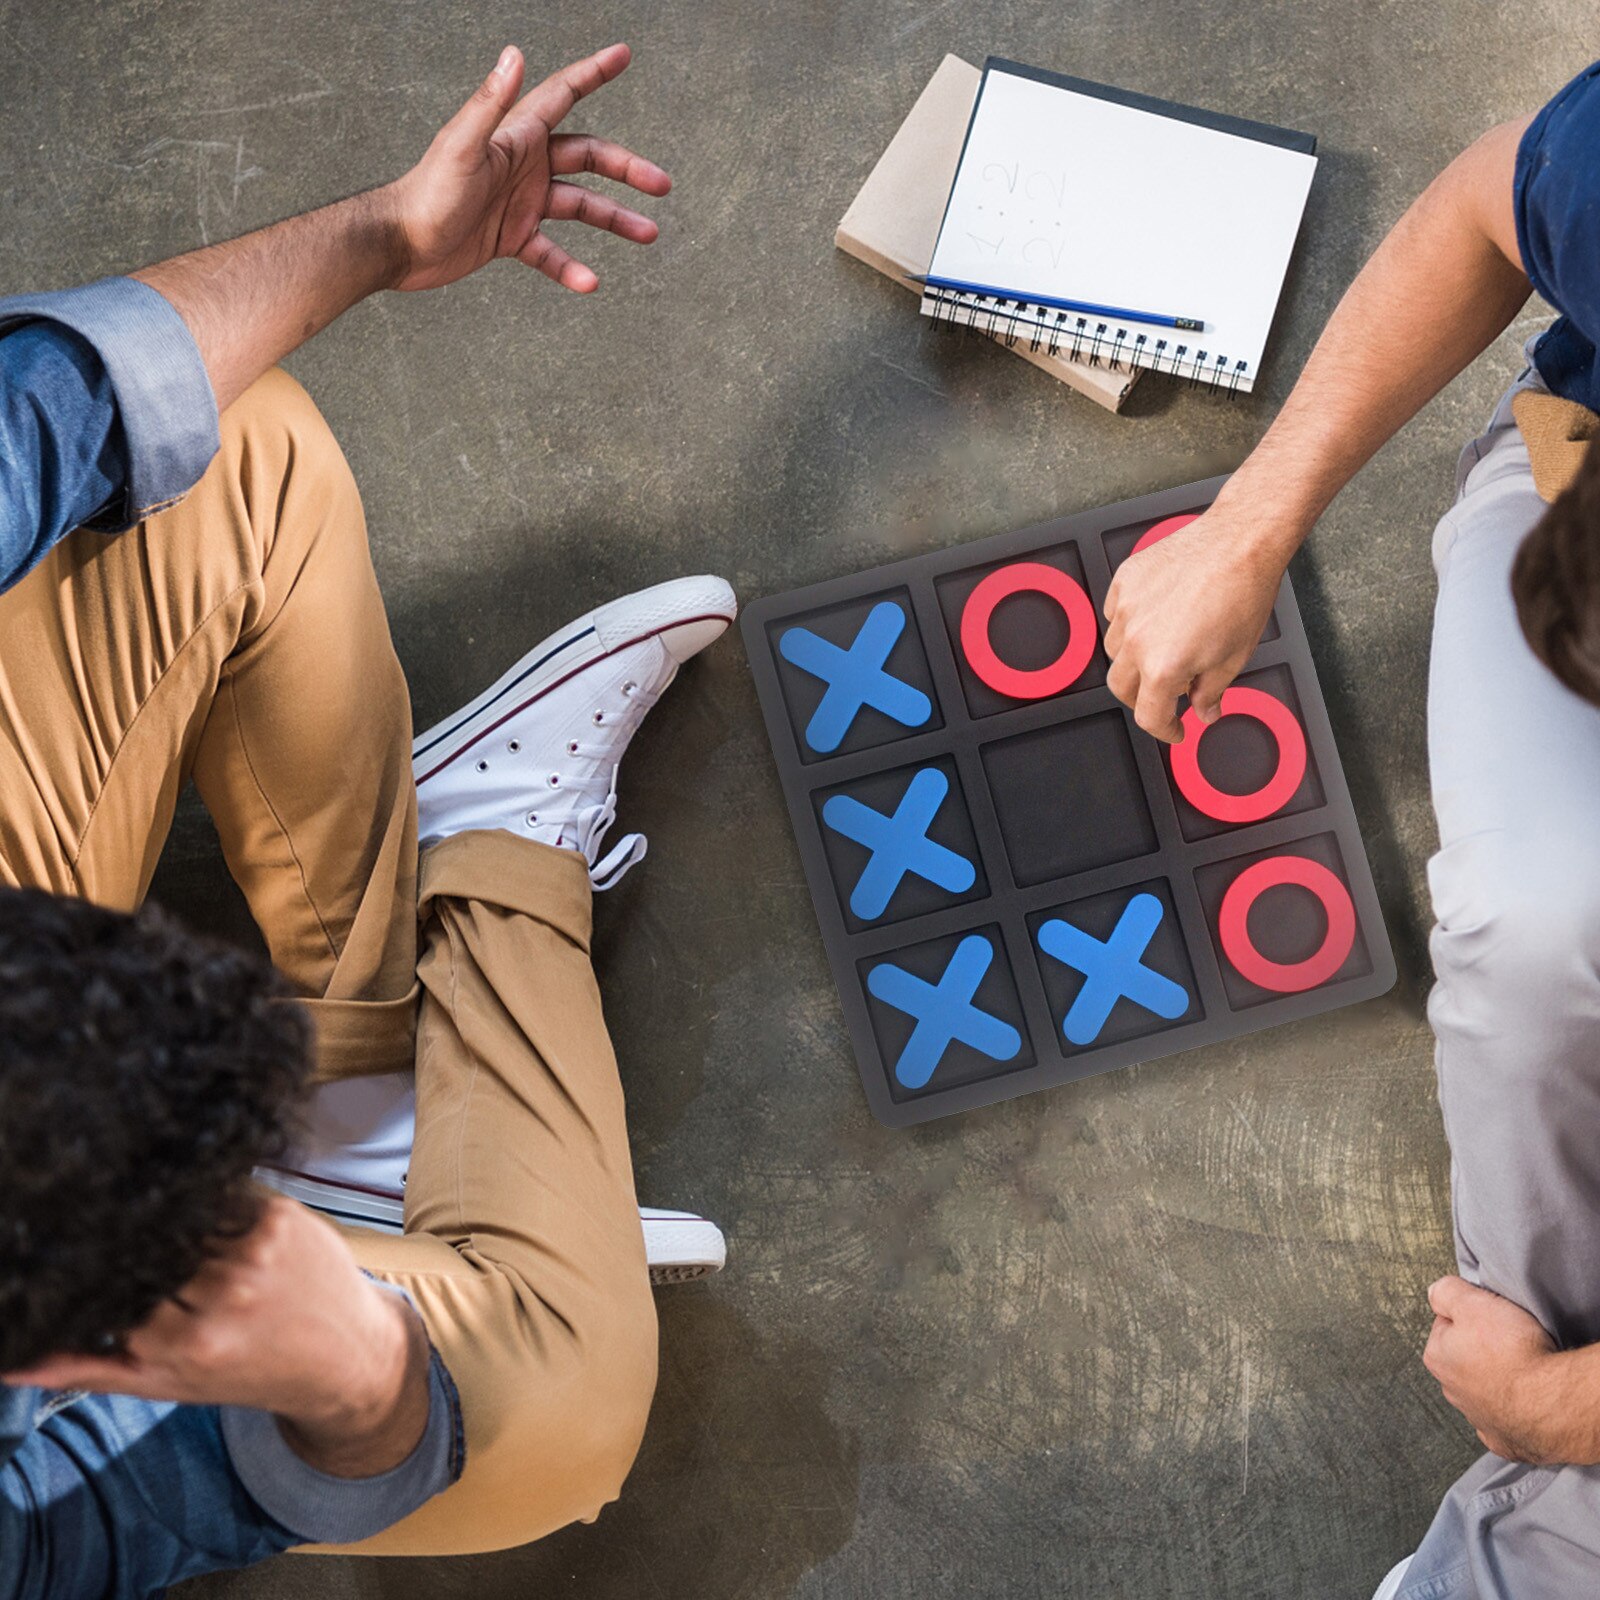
{"points": [[1094, 231]]}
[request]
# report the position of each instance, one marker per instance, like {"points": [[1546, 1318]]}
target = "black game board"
{"points": [[1017, 886]]}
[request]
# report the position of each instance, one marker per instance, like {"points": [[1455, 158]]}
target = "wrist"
{"points": [[1266, 521], [374, 1416], [376, 219], [1560, 1392]]}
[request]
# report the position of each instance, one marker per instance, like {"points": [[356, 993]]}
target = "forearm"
{"points": [[373, 1428], [1439, 289], [252, 300], [1562, 1401]]}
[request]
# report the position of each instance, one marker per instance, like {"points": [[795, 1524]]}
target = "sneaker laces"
{"points": [[608, 871]]}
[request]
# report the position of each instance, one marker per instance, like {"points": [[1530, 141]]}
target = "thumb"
{"points": [[1449, 1296], [1205, 694], [471, 128]]}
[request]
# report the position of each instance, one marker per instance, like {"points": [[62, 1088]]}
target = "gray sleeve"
{"points": [[164, 398], [323, 1509]]}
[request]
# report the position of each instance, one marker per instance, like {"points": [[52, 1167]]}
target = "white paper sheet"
{"points": [[1064, 194]]}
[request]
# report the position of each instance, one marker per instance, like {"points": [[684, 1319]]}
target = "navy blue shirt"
{"points": [[1557, 198]]}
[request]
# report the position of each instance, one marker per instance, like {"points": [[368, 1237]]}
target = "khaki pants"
{"points": [[239, 638]]}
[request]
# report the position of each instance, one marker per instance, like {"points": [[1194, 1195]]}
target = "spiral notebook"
{"points": [[1069, 191]]}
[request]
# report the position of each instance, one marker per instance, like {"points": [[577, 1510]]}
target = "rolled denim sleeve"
{"points": [[108, 414], [115, 1497], [322, 1509]]}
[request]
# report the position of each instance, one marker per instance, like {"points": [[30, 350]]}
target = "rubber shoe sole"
{"points": [[678, 1245]]}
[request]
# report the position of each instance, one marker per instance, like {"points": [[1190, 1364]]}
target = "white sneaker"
{"points": [[537, 753], [678, 1245], [1390, 1586]]}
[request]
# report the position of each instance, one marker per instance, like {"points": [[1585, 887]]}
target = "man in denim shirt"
{"points": [[182, 598]]}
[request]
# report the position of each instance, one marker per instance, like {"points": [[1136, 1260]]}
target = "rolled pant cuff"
{"points": [[497, 868], [355, 1038]]}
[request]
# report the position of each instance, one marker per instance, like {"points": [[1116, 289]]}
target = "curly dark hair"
{"points": [[143, 1072], [1556, 582]]}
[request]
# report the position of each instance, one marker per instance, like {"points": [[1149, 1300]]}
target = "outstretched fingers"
{"points": [[551, 100], [544, 255], [570, 202], [583, 152], [471, 128]]}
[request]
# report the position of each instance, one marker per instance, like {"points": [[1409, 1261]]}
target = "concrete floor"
{"points": [[1155, 1334]]}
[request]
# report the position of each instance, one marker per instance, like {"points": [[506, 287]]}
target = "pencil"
{"points": [[1085, 307]]}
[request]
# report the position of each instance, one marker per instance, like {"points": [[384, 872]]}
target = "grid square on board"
{"points": [[853, 628], [867, 862], [1102, 918], [928, 964], [1068, 798], [1240, 754], [1286, 924], [1027, 631]]}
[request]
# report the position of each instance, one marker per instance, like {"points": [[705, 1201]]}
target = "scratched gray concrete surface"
{"points": [[1156, 1334]]}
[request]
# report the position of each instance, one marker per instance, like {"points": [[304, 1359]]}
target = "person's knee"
{"points": [[556, 1414], [1517, 946], [616, 1383], [280, 458]]}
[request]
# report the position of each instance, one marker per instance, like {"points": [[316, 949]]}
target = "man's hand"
{"points": [[1501, 1370], [1184, 615], [281, 1320], [493, 176], [489, 182]]}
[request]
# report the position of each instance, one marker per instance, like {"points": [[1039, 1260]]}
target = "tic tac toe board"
{"points": [[1018, 887]]}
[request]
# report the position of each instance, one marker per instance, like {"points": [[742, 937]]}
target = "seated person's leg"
{"points": [[523, 1246], [1515, 761]]}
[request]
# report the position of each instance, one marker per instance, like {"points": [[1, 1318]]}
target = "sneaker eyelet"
{"points": [[533, 819], [513, 745], [572, 747], [483, 766], [554, 780], [630, 688], [598, 719]]}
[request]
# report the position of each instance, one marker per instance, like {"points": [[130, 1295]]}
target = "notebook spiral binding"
{"points": [[1083, 339]]}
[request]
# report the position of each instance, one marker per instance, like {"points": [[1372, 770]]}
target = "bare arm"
{"points": [[282, 1320], [485, 187], [1185, 615]]}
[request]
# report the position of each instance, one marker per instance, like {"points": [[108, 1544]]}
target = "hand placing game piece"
{"points": [[1185, 614]]}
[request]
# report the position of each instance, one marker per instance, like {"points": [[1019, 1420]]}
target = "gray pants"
{"points": [[1515, 760]]}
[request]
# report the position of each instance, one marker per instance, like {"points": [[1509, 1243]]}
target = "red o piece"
{"points": [[1156, 533], [1276, 792], [1291, 977], [1028, 577]]}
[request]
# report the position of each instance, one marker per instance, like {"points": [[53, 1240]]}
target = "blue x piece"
{"points": [[944, 1011], [1113, 969], [899, 844], [855, 677]]}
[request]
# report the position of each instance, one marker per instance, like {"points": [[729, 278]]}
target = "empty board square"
{"points": [[1023, 630], [1283, 921], [1243, 768], [945, 1012], [1068, 798], [854, 675], [1120, 543], [900, 843], [1115, 966]]}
